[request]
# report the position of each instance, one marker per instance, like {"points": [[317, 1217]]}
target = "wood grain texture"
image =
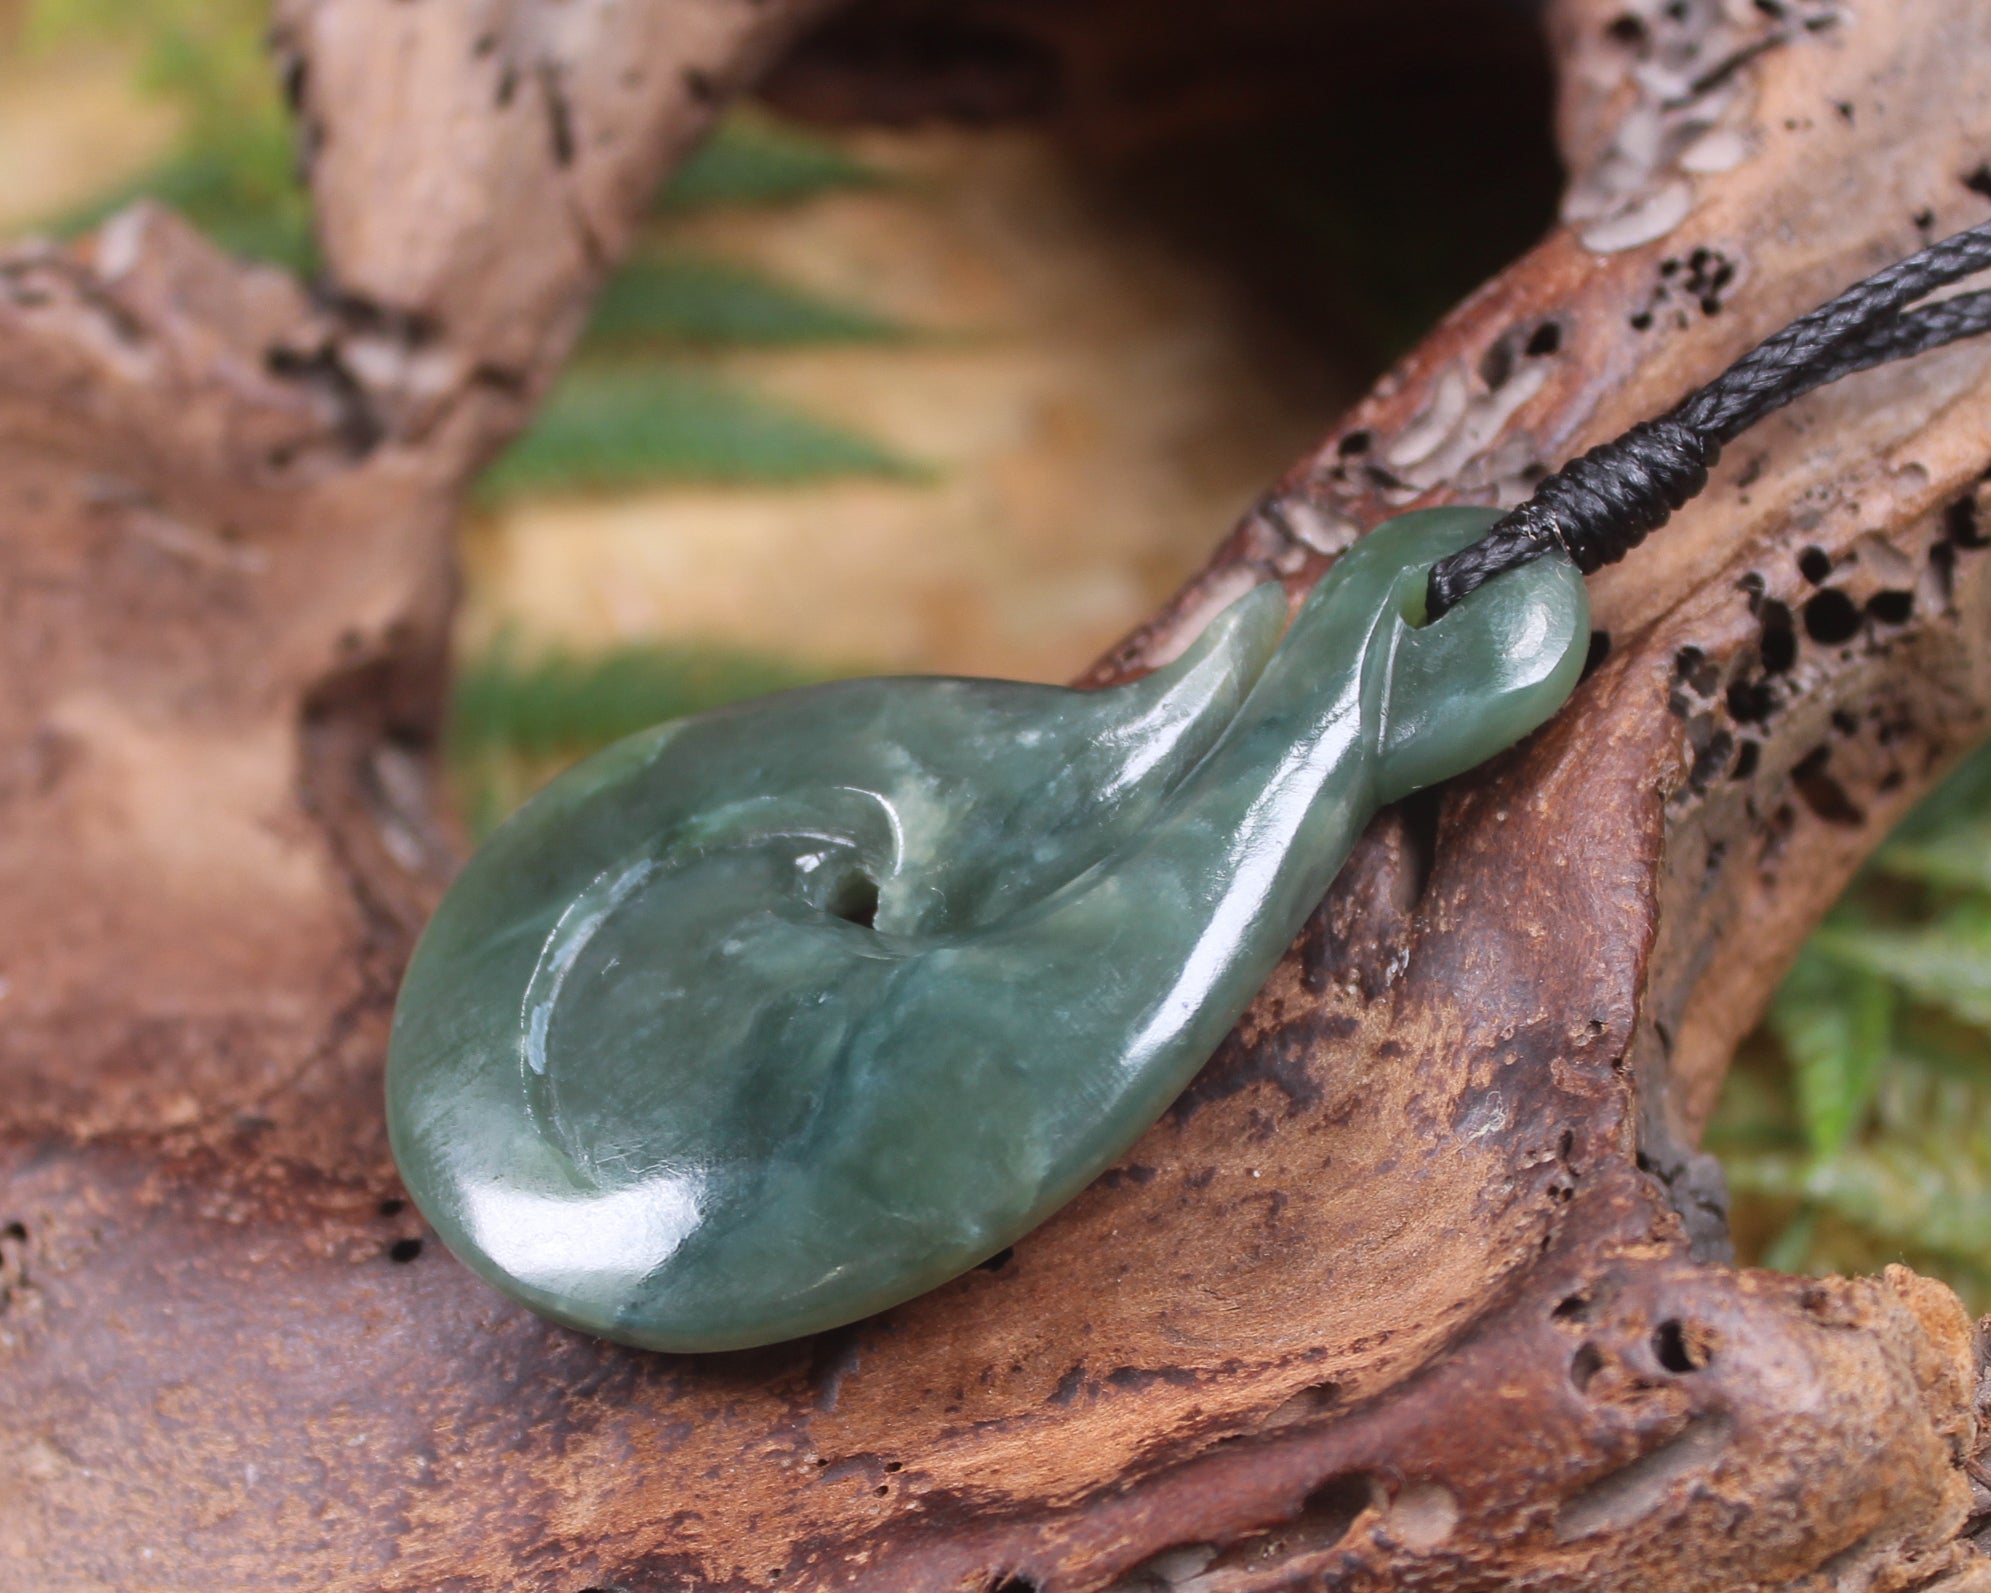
{"points": [[1421, 1285]]}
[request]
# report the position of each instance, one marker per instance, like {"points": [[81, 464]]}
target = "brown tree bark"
{"points": [[1421, 1285]]}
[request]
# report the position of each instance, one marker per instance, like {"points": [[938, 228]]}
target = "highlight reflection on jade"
{"points": [[767, 1019]]}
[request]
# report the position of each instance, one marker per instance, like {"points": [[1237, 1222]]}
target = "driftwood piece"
{"points": [[1419, 1286]]}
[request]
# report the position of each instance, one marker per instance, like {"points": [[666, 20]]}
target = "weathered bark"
{"points": [[1419, 1286]]}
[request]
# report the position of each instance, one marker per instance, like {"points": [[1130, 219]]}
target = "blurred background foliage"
{"points": [[231, 170], [1856, 1126]]}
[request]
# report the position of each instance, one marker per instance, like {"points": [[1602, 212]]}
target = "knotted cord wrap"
{"points": [[1598, 507]]}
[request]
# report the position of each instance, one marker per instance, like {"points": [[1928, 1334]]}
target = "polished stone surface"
{"points": [[762, 1021]]}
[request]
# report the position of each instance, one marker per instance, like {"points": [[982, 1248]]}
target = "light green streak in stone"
{"points": [[648, 1077]]}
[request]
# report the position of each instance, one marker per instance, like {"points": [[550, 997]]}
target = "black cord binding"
{"points": [[1599, 507]]}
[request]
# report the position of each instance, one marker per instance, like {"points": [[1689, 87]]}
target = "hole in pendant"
{"points": [[1411, 610], [404, 1250], [856, 901]]}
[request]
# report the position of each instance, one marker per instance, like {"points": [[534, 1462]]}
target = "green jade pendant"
{"points": [[764, 1020]]}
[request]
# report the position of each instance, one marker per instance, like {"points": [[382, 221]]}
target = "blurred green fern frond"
{"points": [[750, 159], [558, 703], [516, 718], [623, 426], [1856, 1130], [632, 411], [690, 300]]}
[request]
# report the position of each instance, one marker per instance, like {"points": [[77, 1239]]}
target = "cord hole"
{"points": [[856, 901]]}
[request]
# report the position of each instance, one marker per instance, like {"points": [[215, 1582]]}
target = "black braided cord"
{"points": [[1599, 507]]}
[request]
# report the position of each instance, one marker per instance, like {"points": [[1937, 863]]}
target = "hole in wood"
{"points": [[1329, 1513], [1777, 641], [1309, 1401], [1680, 1348], [1831, 618], [1423, 1515], [1891, 607], [1823, 794]]}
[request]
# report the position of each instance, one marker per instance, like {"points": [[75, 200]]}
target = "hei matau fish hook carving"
{"points": [[775, 1017], [767, 1019]]}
